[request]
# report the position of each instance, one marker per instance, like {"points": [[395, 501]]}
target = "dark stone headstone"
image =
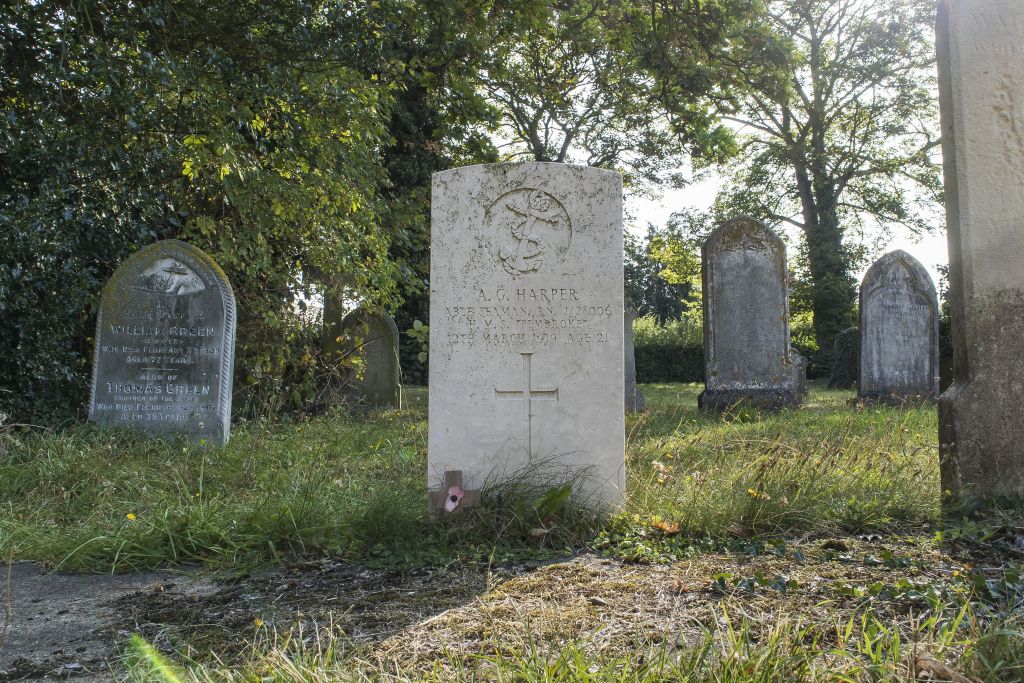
{"points": [[899, 331], [635, 400], [374, 336], [165, 345], [746, 318], [800, 367]]}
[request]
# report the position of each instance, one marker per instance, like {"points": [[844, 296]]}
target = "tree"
{"points": [[565, 94], [846, 145], [253, 129], [585, 87], [650, 283]]}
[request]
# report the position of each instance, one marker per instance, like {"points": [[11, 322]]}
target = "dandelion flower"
{"points": [[130, 516], [752, 492]]}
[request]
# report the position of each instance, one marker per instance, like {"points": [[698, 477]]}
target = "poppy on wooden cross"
{"points": [[451, 499]]}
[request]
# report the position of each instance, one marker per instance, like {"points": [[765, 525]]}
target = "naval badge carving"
{"points": [[529, 231]]}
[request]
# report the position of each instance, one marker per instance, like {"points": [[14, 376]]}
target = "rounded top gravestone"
{"points": [[380, 383], [165, 340], [899, 330], [746, 318]]}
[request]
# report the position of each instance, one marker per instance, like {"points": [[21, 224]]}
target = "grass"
{"points": [[856, 648], [100, 500], [825, 467], [737, 517]]}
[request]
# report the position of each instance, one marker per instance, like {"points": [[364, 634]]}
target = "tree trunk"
{"points": [[833, 291]]}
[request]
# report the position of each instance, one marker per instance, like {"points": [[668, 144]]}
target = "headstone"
{"points": [[165, 345], [526, 323], [746, 318], [899, 331], [980, 45], [374, 336], [635, 400], [800, 367]]}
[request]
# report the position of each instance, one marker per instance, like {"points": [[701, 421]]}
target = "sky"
{"points": [[930, 251]]}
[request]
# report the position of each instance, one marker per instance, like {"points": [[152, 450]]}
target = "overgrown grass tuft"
{"points": [[828, 466], [854, 648], [100, 500]]}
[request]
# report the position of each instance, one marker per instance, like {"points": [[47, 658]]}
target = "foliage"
{"points": [[847, 145], [846, 360], [646, 284], [669, 352], [692, 52], [566, 91], [130, 123]]}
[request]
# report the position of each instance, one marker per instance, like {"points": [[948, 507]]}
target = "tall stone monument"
{"points": [[980, 45], [635, 400], [374, 339], [746, 318], [899, 331], [165, 345], [526, 323]]}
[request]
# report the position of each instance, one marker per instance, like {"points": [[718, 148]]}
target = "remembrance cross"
{"points": [[527, 396]]}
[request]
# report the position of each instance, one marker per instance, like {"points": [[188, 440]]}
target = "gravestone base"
{"points": [[770, 399], [895, 400], [981, 419]]}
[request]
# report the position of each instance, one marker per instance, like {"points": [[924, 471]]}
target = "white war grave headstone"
{"points": [[899, 331], [526, 323], [165, 345], [746, 318], [980, 46]]}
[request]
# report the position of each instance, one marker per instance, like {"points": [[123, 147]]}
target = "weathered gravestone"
{"points": [[800, 368], [165, 345], [899, 331], [526, 323], [373, 337], [980, 45], [635, 400], [746, 318]]}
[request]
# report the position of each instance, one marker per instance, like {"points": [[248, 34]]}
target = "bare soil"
{"points": [[72, 625]]}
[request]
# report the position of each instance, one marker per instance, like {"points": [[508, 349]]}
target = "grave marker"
{"points": [[165, 345], [899, 331], [380, 384], [635, 400], [526, 345], [980, 46], [746, 318]]}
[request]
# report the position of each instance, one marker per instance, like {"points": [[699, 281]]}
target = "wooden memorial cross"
{"points": [[451, 500]]}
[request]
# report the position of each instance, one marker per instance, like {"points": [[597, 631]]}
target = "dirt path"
{"points": [[63, 624], [71, 624]]}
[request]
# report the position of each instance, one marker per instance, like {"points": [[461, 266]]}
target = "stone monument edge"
{"points": [[442, 175]]}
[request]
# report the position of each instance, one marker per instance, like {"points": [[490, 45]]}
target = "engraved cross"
{"points": [[527, 395]]}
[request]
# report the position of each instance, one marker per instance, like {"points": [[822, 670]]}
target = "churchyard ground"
{"points": [[803, 545]]}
